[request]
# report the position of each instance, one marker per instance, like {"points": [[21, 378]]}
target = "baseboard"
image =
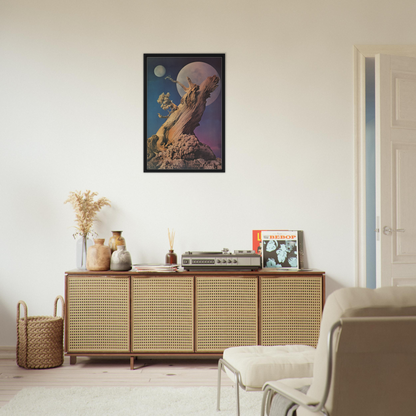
{"points": [[7, 352]]}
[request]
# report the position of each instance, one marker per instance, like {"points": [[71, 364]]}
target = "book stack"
{"points": [[155, 267]]}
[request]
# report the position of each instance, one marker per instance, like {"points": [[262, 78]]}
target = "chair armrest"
{"points": [[294, 383], [291, 393]]}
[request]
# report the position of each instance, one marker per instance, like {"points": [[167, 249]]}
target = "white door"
{"points": [[396, 170]]}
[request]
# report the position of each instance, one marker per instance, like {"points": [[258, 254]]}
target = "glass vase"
{"points": [[81, 252]]}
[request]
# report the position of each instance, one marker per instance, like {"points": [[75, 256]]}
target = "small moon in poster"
{"points": [[160, 70]]}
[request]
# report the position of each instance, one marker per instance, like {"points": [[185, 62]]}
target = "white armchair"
{"points": [[365, 362]]}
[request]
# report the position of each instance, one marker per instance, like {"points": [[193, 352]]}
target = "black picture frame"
{"points": [[184, 121]]}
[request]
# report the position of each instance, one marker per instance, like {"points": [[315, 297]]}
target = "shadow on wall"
{"points": [[7, 325], [331, 285]]}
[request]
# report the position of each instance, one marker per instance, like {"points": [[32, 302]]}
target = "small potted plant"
{"points": [[86, 210]]}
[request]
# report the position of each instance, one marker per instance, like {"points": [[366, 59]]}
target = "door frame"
{"points": [[360, 53]]}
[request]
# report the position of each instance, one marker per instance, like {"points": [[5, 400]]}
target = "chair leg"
{"points": [[237, 390], [221, 364], [219, 384]]}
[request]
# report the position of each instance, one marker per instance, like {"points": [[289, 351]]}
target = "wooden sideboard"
{"points": [[136, 314]]}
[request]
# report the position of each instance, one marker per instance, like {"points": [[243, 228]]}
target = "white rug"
{"points": [[130, 401]]}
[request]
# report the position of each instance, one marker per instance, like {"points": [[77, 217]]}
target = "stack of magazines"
{"points": [[155, 267]]}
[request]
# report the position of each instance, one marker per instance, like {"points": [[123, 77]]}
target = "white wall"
{"points": [[71, 118]]}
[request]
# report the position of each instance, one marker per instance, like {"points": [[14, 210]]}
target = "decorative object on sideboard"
{"points": [[82, 246], [120, 259], [240, 260], [98, 256], [171, 257], [40, 338], [116, 240], [86, 210], [280, 248]]}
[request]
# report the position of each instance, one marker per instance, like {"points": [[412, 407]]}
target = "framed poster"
{"points": [[184, 113]]}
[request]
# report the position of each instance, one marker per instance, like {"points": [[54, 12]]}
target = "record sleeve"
{"points": [[280, 248]]}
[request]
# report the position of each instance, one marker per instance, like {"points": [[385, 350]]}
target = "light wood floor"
{"points": [[109, 372]]}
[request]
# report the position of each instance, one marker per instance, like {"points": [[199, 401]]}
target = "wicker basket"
{"points": [[40, 338]]}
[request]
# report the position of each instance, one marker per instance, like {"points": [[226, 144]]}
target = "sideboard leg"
{"points": [[72, 359], [131, 363]]}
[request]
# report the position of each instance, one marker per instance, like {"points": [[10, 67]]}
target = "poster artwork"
{"points": [[184, 106]]}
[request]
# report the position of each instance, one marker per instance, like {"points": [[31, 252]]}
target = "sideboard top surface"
{"points": [[262, 272]]}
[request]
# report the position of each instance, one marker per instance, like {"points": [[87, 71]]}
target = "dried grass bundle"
{"points": [[85, 210], [171, 236]]}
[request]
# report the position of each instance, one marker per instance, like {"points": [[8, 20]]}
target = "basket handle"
{"points": [[56, 306], [24, 340], [21, 302]]}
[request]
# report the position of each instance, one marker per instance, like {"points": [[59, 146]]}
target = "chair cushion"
{"points": [[258, 364]]}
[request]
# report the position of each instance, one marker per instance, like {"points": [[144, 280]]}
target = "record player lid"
{"points": [[204, 252]]}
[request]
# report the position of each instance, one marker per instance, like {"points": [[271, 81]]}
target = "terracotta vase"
{"points": [[116, 240], [98, 256], [171, 258], [121, 259]]}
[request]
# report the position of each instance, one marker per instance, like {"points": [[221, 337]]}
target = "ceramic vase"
{"points": [[171, 258], [98, 256], [82, 246], [116, 240], [121, 259]]}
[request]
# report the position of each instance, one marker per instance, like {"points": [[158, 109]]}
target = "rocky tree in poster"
{"points": [[175, 145]]}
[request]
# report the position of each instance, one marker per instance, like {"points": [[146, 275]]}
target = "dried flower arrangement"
{"points": [[85, 210]]}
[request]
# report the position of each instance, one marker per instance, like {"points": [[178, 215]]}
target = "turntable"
{"points": [[240, 260]]}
